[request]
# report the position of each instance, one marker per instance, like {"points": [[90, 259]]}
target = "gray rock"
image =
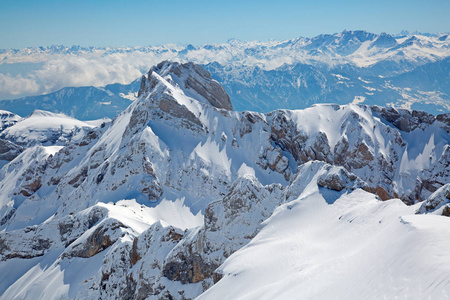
{"points": [[9, 150], [192, 78]]}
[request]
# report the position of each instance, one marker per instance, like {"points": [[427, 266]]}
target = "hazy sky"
{"points": [[129, 23]]}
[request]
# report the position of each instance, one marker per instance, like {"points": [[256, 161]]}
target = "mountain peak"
{"points": [[192, 79], [384, 40]]}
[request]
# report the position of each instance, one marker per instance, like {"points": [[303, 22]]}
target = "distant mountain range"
{"points": [[407, 71]]}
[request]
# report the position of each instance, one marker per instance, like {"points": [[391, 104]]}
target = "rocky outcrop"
{"points": [[437, 202], [229, 224], [405, 120], [188, 268], [9, 150], [338, 179], [354, 149], [72, 227], [272, 158], [136, 270], [192, 78], [32, 187], [444, 119], [285, 134], [98, 241], [173, 108], [33, 242], [322, 175]]}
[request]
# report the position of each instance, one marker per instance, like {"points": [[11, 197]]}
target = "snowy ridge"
{"points": [[8, 119], [161, 201], [357, 47], [46, 128], [356, 246]]}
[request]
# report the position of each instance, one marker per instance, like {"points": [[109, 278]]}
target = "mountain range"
{"points": [[180, 196], [410, 71]]}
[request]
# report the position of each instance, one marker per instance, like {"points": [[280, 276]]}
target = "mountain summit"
{"points": [[191, 78]]}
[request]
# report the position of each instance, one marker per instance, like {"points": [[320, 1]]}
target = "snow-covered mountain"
{"points": [[357, 47], [84, 103], [299, 86], [407, 71], [179, 196], [48, 129]]}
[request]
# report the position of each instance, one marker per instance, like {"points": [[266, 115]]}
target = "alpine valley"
{"points": [[179, 196]]}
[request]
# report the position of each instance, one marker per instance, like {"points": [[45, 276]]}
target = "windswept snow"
{"points": [[356, 247]]}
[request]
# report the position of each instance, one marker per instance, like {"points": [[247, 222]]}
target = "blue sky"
{"points": [[131, 23]]}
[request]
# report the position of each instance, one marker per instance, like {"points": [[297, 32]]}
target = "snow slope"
{"points": [[330, 245]]}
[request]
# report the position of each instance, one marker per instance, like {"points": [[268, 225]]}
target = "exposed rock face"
{"points": [[190, 77], [437, 201], [72, 227], [406, 120], [446, 211], [358, 149], [33, 243], [134, 255], [136, 269], [230, 223], [190, 268], [445, 119], [9, 150], [98, 241], [325, 176], [339, 179]]}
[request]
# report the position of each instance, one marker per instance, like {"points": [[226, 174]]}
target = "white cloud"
{"points": [[96, 71], [90, 69], [59, 68], [16, 86]]}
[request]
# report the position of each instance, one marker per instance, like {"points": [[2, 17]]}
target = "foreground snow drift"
{"points": [[355, 247]]}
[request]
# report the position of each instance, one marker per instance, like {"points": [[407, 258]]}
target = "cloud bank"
{"points": [[16, 86], [90, 69]]}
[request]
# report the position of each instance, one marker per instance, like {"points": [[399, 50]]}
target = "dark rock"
{"points": [[9, 150], [98, 241], [446, 211], [134, 255], [32, 187], [190, 268], [403, 119], [79, 178], [342, 179]]}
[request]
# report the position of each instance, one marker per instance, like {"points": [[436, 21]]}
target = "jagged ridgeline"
{"points": [[179, 196]]}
